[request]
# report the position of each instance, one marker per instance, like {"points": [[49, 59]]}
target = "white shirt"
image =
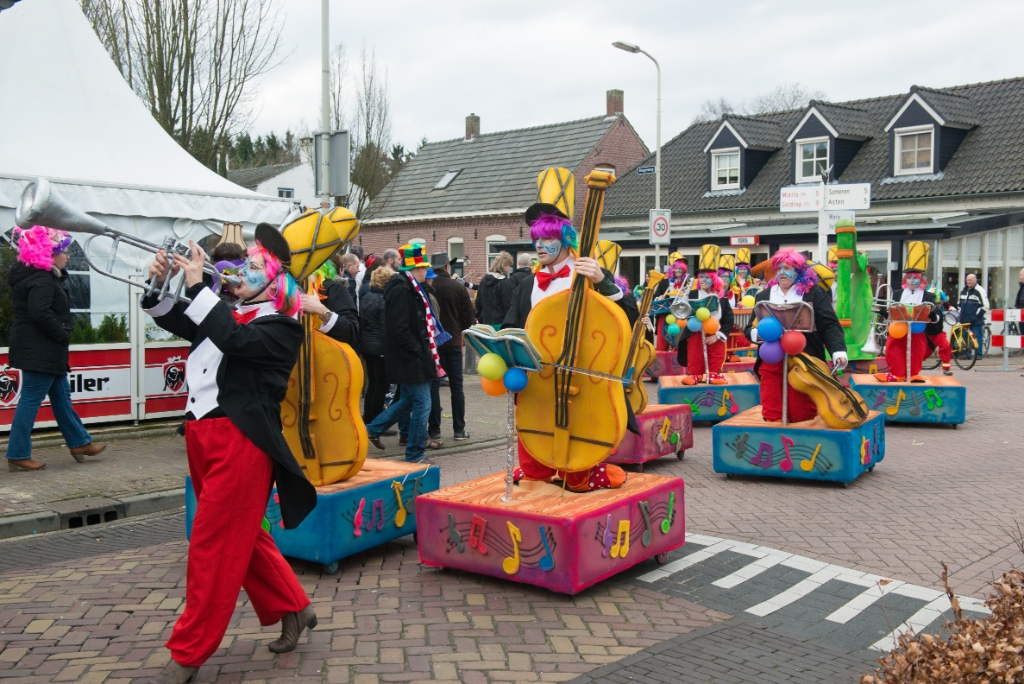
{"points": [[912, 296], [777, 296]]}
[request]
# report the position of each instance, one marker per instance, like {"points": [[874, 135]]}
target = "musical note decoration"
{"points": [[273, 513], [763, 457], [893, 410], [547, 561], [741, 445], [401, 514], [376, 516], [877, 442], [666, 524], [357, 520], [787, 461], [454, 536], [607, 541], [808, 466], [725, 397], [476, 534], [694, 406], [648, 535], [880, 398], [621, 546], [666, 429], [865, 451], [415, 493], [915, 410], [511, 565], [933, 399], [709, 398], [732, 400]]}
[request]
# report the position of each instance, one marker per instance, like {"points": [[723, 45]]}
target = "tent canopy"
{"points": [[67, 114]]}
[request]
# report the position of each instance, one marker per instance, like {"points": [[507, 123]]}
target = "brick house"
{"points": [[467, 196]]}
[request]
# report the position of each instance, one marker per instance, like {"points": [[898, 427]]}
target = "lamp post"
{"points": [[630, 47], [325, 104]]}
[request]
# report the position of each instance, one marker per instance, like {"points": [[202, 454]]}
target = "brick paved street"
{"points": [[941, 494]]}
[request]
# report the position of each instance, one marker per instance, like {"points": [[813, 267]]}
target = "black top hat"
{"points": [[541, 208], [271, 240]]}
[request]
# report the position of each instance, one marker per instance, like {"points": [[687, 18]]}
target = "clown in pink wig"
{"points": [[38, 244], [709, 282], [789, 261], [922, 282], [554, 227], [677, 274], [286, 293]]}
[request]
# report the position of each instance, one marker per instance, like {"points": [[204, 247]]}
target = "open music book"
{"points": [[511, 344]]}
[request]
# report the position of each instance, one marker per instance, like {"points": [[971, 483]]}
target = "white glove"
{"points": [[722, 336], [840, 361], [753, 336]]}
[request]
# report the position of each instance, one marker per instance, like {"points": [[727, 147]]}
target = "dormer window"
{"points": [[725, 169], [914, 150], [811, 159]]}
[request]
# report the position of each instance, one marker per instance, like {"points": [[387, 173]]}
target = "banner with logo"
{"points": [[165, 386]]}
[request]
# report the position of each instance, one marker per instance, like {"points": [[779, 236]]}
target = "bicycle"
{"points": [[964, 345]]}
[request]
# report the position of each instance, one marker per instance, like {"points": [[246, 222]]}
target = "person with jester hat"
{"points": [[237, 372], [742, 280], [795, 281], [556, 243], [913, 292], [677, 272], [726, 273], [710, 294]]}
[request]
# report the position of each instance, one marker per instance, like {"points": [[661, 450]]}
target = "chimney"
{"points": [[472, 126], [614, 100]]}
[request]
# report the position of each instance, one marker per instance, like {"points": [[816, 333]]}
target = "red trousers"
{"points": [[800, 405], [695, 355], [229, 549], [941, 343], [896, 354], [534, 470]]}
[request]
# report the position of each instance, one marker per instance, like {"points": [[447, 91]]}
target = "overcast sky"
{"points": [[525, 63]]}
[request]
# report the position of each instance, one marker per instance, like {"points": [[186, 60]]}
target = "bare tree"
{"points": [[784, 97], [713, 110], [339, 74], [372, 165], [193, 62]]}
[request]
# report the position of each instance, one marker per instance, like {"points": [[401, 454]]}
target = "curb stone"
{"points": [[54, 520]]}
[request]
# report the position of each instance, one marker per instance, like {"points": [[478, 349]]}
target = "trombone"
{"points": [[878, 320], [41, 205], [680, 306]]}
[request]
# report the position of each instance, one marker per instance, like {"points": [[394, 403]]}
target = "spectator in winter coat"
{"points": [[456, 313], [371, 342], [524, 269], [492, 302], [973, 305], [39, 340], [348, 269]]}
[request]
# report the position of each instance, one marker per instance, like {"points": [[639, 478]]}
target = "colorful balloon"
{"points": [[673, 330], [711, 326], [917, 328], [515, 379], [771, 352], [748, 302], [769, 329], [702, 314], [492, 367], [495, 388], [670, 319], [897, 330], [693, 324], [793, 342]]}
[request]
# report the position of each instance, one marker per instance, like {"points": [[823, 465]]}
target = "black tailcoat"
{"points": [[828, 333]]}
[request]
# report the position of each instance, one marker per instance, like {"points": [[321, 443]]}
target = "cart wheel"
{"points": [[662, 558], [871, 469], [680, 454], [846, 485], [639, 467], [728, 476], [331, 568], [415, 538], [953, 425]]}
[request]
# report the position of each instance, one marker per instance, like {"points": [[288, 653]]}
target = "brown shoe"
{"points": [[90, 449], [375, 441], [24, 464], [173, 673], [292, 626]]}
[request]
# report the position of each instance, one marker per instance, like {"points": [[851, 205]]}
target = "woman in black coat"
{"points": [[371, 342], [492, 301], [39, 340]]}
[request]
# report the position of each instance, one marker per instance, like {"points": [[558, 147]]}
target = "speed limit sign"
{"points": [[661, 231]]}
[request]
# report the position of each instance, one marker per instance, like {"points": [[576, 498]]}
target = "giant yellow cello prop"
{"points": [[572, 414], [320, 413]]}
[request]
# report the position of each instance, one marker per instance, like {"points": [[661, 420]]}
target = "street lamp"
{"points": [[630, 47]]}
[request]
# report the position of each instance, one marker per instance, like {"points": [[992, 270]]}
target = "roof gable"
{"points": [[947, 108], [250, 178], [752, 132], [841, 121], [498, 171]]}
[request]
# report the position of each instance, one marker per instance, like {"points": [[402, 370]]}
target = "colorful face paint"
{"points": [[914, 281], [254, 279], [550, 247], [788, 273], [705, 280], [742, 271]]}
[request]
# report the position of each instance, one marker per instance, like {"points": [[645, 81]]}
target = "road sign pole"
{"points": [[822, 257]]}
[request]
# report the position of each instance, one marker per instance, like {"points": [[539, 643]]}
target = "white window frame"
{"points": [[456, 241], [816, 176], [715, 154], [488, 241], [900, 133], [290, 191]]}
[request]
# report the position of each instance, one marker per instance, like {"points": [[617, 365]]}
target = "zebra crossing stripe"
{"points": [[796, 592], [863, 601], [686, 561], [925, 616]]}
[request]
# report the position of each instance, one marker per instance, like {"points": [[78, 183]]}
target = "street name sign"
{"points": [[645, 170], [849, 196]]}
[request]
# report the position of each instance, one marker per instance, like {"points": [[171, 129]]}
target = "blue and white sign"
{"points": [[645, 170]]}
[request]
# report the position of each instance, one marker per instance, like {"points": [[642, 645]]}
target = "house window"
{"points": [[456, 248], [287, 193], [914, 150], [725, 169], [811, 160], [494, 243], [447, 179], [607, 168]]}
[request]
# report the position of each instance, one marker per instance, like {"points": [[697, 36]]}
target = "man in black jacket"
{"points": [[334, 306], [524, 270], [237, 372], [411, 358], [456, 315]]}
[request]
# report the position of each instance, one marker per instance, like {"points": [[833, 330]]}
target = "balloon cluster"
{"points": [[497, 378], [702, 320], [778, 342]]}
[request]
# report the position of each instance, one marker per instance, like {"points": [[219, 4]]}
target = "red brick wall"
{"points": [[619, 148]]}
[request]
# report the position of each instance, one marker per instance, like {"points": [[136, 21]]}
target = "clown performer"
{"points": [[794, 282], [556, 243], [237, 372], [726, 273], [691, 343], [913, 292], [676, 280], [742, 281]]}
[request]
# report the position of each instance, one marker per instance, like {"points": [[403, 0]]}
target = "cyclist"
{"points": [[913, 292], [973, 305]]}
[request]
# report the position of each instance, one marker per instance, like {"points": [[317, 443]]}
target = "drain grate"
{"points": [[95, 510]]}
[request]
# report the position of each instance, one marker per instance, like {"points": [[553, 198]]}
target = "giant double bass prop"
{"points": [[320, 412], [573, 414], [641, 352]]}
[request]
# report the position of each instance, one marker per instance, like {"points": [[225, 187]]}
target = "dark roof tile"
{"points": [[250, 178]]}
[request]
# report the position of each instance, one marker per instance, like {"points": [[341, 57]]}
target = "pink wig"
{"points": [[924, 281], [806, 278], [38, 244], [681, 264], [286, 300], [716, 282], [554, 227], [622, 283]]}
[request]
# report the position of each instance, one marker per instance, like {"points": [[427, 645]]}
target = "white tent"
{"points": [[67, 114]]}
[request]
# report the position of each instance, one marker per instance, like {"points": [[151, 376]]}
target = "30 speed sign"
{"points": [[661, 230]]}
